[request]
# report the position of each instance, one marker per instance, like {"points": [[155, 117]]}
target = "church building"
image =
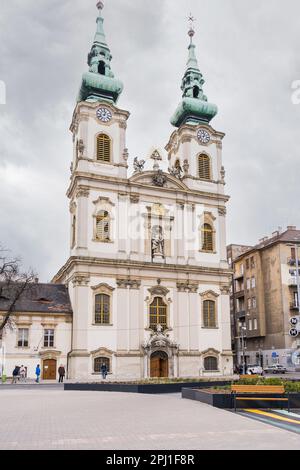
{"points": [[147, 275]]}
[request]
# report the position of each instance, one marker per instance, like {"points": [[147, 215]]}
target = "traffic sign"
{"points": [[294, 321], [294, 332]]}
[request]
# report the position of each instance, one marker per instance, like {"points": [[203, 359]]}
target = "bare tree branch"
{"points": [[13, 283]]}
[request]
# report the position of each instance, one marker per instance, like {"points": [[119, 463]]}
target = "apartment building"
{"points": [[264, 299]]}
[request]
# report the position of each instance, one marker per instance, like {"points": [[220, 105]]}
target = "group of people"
{"points": [[20, 374]]}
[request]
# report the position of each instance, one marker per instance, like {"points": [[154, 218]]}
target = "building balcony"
{"points": [[292, 282], [241, 314], [238, 276], [294, 305], [239, 293]]}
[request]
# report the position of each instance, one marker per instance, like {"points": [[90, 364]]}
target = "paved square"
{"points": [[42, 418]]}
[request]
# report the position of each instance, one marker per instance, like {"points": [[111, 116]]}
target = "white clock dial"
{"points": [[104, 114], [203, 136]]}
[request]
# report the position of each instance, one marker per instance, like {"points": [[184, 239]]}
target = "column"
{"points": [[82, 196], [180, 232], [222, 235]]}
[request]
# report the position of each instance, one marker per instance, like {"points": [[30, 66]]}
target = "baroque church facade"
{"points": [[148, 276]]}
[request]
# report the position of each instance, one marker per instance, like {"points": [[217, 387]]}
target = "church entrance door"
{"points": [[159, 364]]}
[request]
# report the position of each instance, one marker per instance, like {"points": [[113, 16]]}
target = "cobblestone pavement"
{"points": [[54, 419]]}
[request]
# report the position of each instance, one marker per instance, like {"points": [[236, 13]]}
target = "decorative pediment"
{"points": [[103, 287], [209, 294], [102, 352], [210, 352], [146, 178], [158, 290]]}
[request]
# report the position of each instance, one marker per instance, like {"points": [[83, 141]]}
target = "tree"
{"points": [[13, 283]]}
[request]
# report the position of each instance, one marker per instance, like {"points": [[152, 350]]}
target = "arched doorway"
{"points": [[159, 364], [49, 369]]}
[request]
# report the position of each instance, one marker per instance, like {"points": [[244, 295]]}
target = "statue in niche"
{"points": [[157, 242]]}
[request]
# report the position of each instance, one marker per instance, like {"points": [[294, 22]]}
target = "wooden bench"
{"points": [[258, 392]]}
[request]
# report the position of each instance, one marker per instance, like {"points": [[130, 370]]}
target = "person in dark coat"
{"points": [[61, 373], [104, 371], [16, 373]]}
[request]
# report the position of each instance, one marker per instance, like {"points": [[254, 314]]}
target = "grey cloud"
{"points": [[248, 53]]}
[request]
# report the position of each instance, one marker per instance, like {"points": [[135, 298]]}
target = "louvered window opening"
{"points": [[204, 167], [103, 148]]}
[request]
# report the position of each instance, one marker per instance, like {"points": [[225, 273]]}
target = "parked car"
{"points": [[275, 369], [254, 370]]}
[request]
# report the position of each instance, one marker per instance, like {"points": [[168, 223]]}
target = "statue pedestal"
{"points": [[158, 258]]}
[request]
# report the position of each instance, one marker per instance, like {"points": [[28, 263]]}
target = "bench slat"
{"points": [[257, 388]]}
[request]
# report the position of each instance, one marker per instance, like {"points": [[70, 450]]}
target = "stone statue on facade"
{"points": [[138, 165], [157, 242]]}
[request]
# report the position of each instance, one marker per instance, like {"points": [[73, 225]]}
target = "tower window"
{"points": [[103, 148], [102, 309], [101, 68], [204, 167], [207, 238], [103, 226]]}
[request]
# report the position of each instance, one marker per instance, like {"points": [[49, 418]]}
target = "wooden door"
{"points": [[49, 369], [155, 366], [159, 365]]}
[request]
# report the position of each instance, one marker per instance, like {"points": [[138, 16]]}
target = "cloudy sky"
{"points": [[248, 52]]}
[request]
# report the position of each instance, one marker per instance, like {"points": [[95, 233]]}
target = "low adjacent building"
{"points": [[39, 332], [264, 299]]}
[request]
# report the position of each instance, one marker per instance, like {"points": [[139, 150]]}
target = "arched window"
{"points": [[103, 148], [158, 313], [204, 167], [101, 67], [207, 237], [102, 309], [103, 226], [211, 363], [209, 314], [98, 363]]}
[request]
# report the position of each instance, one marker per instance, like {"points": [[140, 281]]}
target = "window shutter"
{"points": [[103, 148], [204, 167]]}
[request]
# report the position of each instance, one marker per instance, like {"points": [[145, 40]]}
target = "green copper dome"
{"points": [[99, 83], [194, 107]]}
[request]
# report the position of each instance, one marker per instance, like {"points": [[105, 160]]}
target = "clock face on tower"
{"points": [[104, 114], [203, 136]]}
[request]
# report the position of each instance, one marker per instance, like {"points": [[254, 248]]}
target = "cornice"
{"points": [[130, 264], [128, 185]]}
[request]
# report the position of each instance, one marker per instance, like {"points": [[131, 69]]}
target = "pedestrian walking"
{"points": [[15, 374], [22, 374], [61, 373], [104, 371], [38, 373]]}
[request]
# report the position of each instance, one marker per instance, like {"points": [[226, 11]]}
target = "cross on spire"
{"points": [[191, 20]]}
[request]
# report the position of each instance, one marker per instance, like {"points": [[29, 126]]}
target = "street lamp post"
{"points": [[297, 278], [243, 329]]}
